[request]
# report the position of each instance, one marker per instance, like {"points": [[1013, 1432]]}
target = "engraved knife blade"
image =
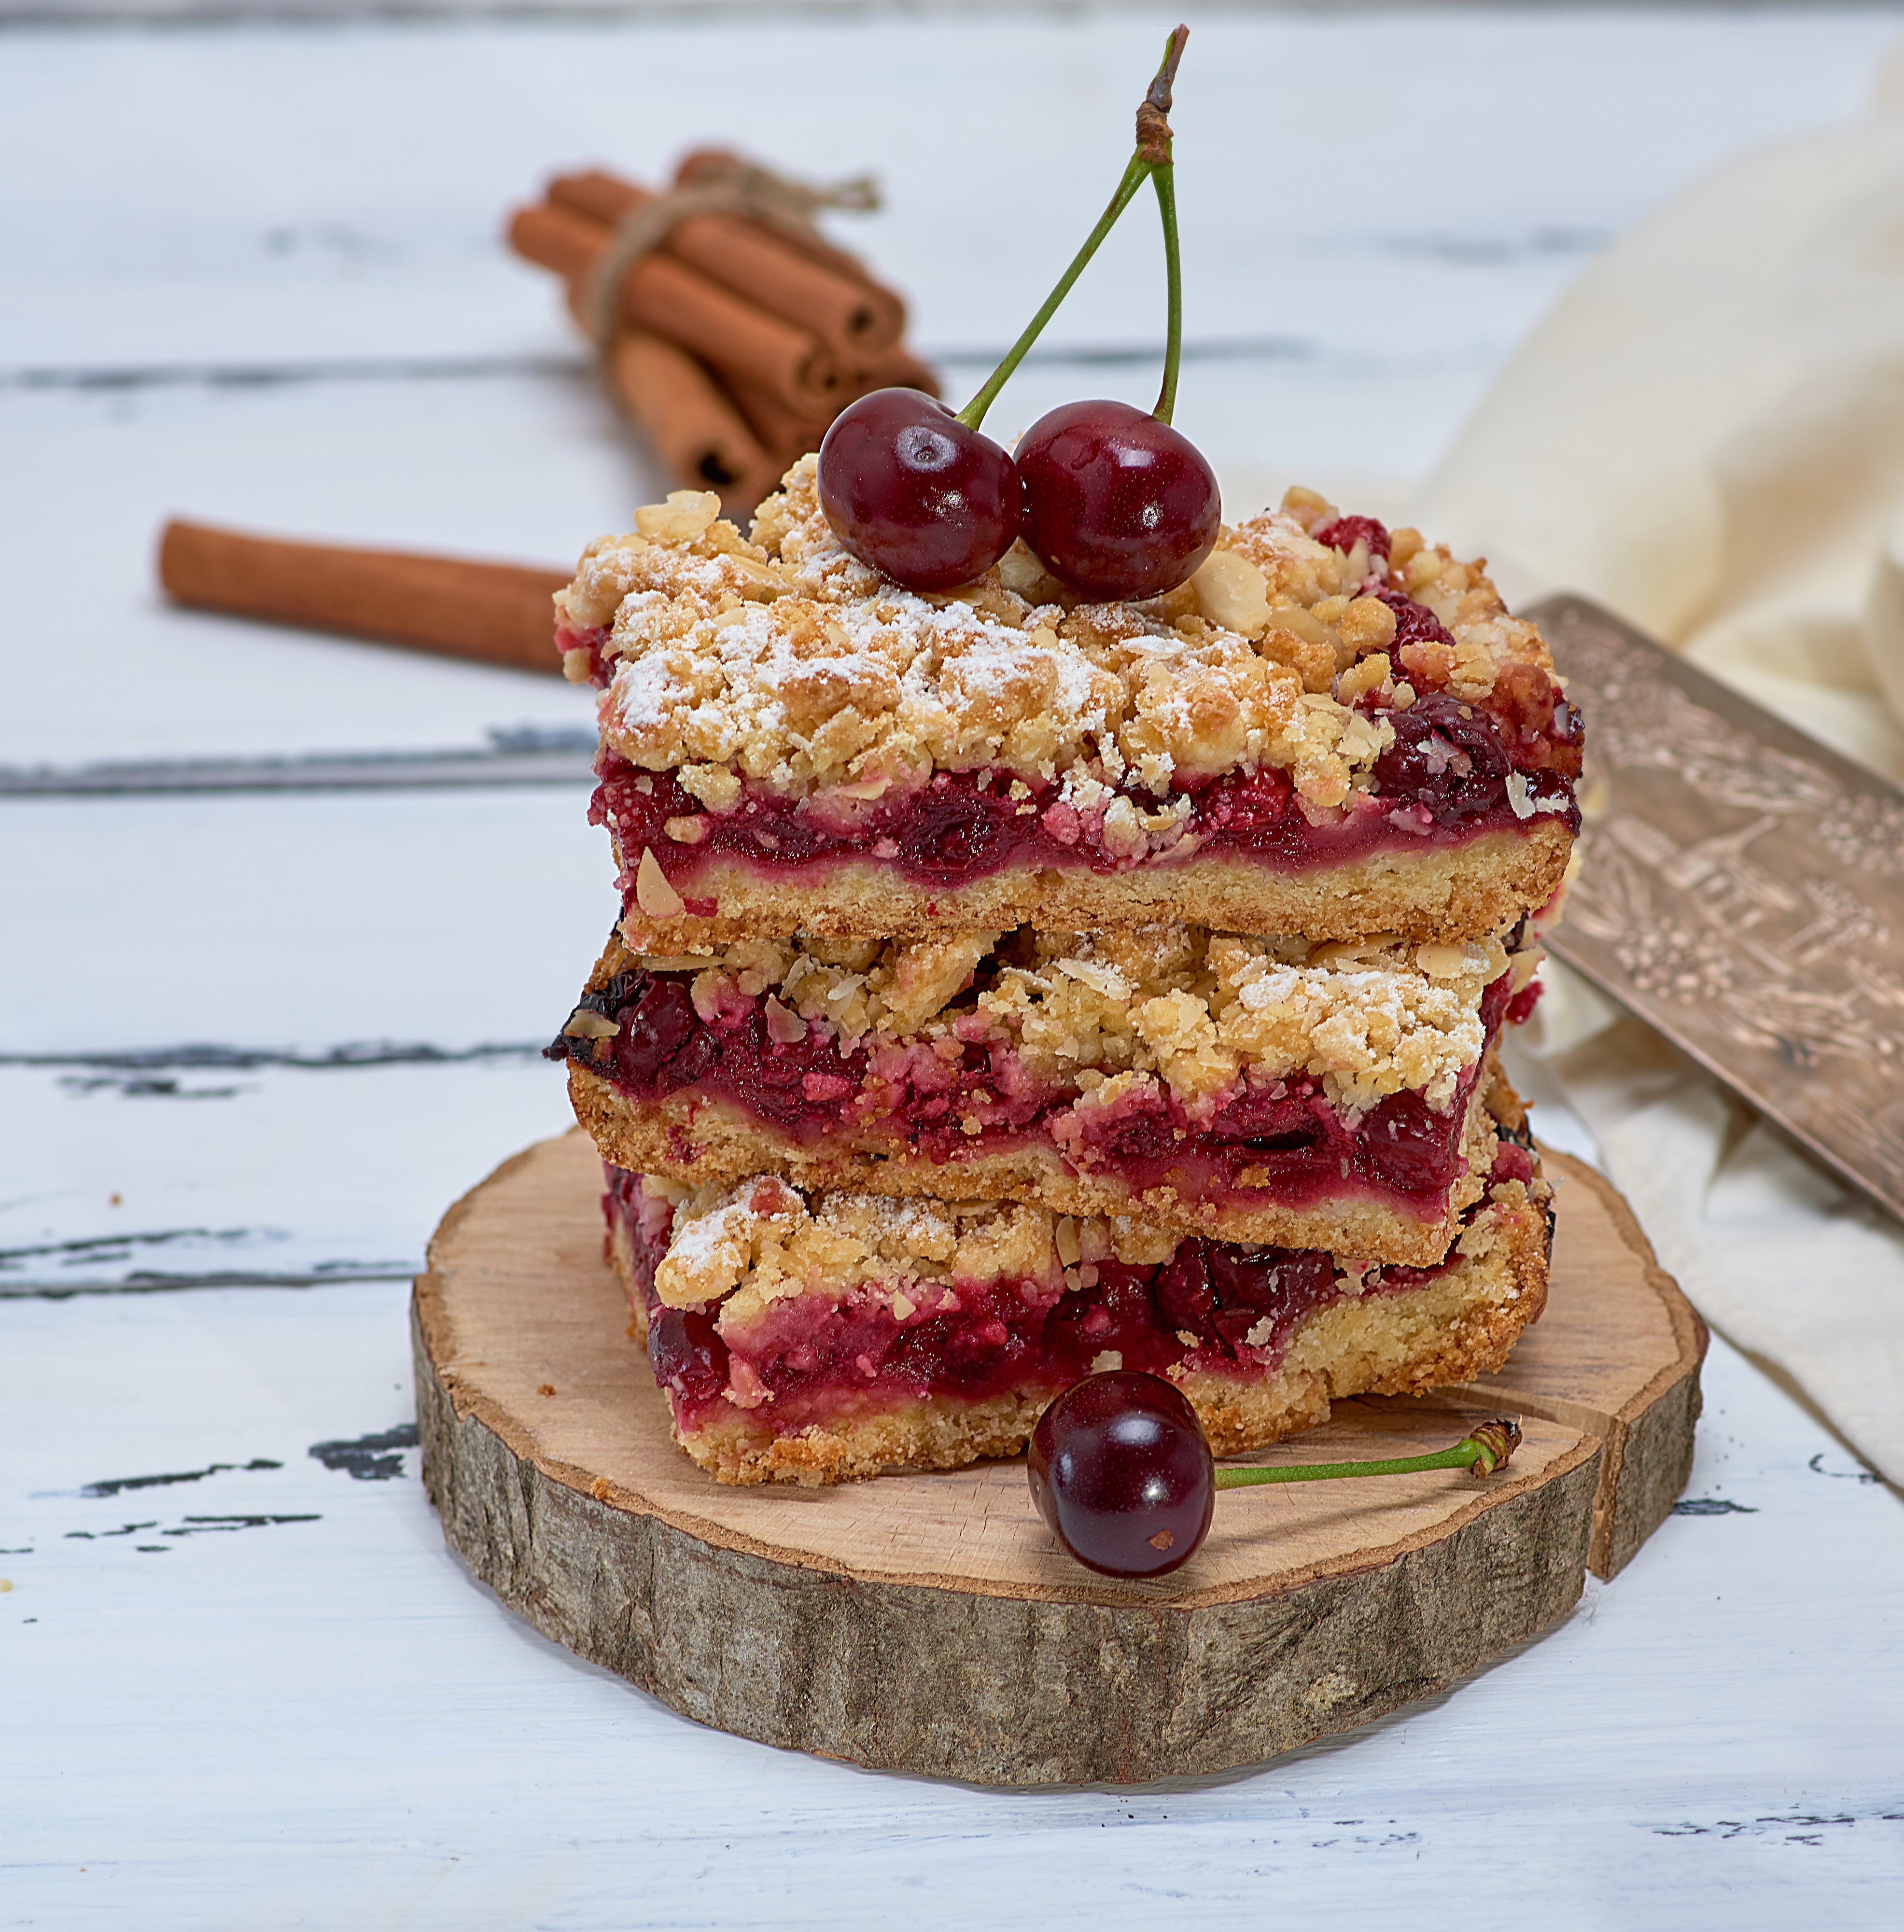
{"points": [[1741, 890]]}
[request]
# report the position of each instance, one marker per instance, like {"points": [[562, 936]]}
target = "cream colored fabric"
{"points": [[1779, 1257], [1708, 434]]}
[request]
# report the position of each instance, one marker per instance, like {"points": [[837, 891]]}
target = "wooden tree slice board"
{"points": [[929, 1623]]}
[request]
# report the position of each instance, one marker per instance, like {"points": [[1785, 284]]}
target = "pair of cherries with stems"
{"points": [[1122, 1471], [1117, 503]]}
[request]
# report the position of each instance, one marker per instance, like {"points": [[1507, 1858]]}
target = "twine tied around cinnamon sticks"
{"points": [[729, 329], [722, 183]]}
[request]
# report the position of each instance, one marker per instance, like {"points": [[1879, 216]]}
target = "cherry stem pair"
{"points": [[1153, 162], [1483, 1452], [1112, 503]]}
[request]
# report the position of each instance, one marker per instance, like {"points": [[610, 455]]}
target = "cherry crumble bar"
{"points": [[1331, 729], [1244, 1089], [815, 1338]]}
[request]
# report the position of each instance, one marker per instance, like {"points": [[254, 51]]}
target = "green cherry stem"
{"points": [[1164, 180], [1484, 1452], [973, 414], [1151, 160]]}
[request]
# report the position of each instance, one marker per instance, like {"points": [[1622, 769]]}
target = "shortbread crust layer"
{"points": [[1440, 895]]}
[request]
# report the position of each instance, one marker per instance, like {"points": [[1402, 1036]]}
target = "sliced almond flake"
{"points": [[1104, 979], [652, 892]]}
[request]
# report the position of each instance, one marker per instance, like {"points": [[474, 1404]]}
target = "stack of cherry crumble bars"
{"points": [[1008, 986]]}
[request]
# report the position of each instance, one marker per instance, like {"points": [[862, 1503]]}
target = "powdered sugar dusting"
{"points": [[787, 662]]}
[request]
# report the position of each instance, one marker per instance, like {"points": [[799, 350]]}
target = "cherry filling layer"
{"points": [[1274, 1143], [1455, 772], [1213, 1307]]}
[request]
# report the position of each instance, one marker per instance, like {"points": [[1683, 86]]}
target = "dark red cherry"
{"points": [[688, 1353], [1121, 1470], [1345, 532], [1414, 623], [1447, 756], [910, 489], [1116, 503]]}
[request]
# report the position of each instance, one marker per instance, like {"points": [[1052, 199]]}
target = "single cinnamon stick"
{"points": [[788, 432], [499, 612], [854, 317], [560, 239], [665, 296], [702, 436], [896, 370]]}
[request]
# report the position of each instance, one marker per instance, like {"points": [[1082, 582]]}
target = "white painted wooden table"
{"points": [[251, 1044]]}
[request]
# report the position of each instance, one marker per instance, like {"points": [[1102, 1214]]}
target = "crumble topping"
{"points": [[1178, 1004], [759, 1241], [753, 1243], [782, 661]]}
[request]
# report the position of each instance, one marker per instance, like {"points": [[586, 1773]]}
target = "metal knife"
{"points": [[1741, 889]]}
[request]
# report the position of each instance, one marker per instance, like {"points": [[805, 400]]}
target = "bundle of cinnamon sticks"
{"points": [[732, 341]]}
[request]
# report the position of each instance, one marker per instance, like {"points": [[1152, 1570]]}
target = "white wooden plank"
{"points": [[458, 918], [325, 1722], [169, 1172], [291, 190], [94, 664], [386, 927]]}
